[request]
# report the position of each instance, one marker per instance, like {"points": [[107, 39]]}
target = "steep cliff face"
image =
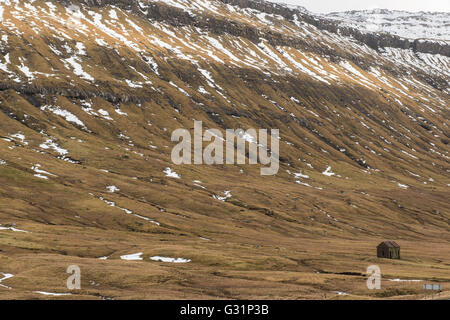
{"points": [[427, 32], [90, 92], [411, 25]]}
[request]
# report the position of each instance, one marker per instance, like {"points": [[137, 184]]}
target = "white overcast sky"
{"points": [[325, 6]]}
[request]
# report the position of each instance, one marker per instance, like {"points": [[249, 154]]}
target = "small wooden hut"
{"points": [[389, 250]]}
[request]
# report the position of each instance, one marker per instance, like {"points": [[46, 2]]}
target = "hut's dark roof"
{"points": [[389, 244]]}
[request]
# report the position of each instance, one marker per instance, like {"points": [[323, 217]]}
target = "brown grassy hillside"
{"points": [[90, 96]]}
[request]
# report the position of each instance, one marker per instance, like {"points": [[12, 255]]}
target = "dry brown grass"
{"points": [[274, 239]]}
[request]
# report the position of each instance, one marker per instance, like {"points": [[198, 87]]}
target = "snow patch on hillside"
{"points": [[171, 260]]}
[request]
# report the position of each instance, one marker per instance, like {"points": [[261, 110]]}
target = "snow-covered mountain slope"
{"points": [[91, 91], [411, 25]]}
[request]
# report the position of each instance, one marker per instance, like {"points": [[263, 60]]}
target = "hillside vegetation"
{"points": [[90, 92]]}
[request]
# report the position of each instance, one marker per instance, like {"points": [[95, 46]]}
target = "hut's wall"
{"points": [[388, 252]]}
